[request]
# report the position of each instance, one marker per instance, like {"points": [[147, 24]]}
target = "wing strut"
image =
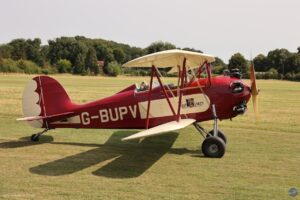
{"points": [[154, 71], [182, 75], [149, 97]]}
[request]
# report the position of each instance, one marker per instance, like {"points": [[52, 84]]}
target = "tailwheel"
{"points": [[213, 147], [220, 135], [35, 138]]}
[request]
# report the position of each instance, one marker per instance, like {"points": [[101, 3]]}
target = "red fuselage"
{"points": [[126, 109]]}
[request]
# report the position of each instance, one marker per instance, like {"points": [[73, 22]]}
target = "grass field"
{"points": [[262, 159]]}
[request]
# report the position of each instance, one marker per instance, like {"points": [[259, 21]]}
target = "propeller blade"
{"points": [[254, 90], [254, 101]]}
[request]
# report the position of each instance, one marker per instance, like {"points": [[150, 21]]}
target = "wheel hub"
{"points": [[213, 148]]}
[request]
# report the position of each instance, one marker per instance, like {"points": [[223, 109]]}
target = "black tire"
{"points": [[213, 147], [220, 135], [35, 138]]}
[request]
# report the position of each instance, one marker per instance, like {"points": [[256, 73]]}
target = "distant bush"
{"points": [[140, 72], [9, 65], [259, 75], [297, 76], [28, 67], [64, 66], [113, 69], [23, 66], [135, 71], [289, 76], [47, 69], [270, 74]]}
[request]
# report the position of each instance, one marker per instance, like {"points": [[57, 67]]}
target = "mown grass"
{"points": [[262, 159]]}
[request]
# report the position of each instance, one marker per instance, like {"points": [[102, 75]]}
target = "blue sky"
{"points": [[217, 27]]}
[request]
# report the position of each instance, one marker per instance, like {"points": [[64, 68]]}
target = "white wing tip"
{"points": [[29, 118]]}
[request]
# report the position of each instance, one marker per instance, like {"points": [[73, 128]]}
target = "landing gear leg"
{"points": [[216, 132], [36, 137], [215, 120], [214, 144]]}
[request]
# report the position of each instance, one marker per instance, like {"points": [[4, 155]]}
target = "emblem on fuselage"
{"points": [[190, 102]]}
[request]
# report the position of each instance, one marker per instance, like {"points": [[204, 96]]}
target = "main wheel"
{"points": [[213, 147], [35, 138], [220, 135]]}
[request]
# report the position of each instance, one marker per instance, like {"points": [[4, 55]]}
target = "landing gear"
{"points": [[36, 137], [214, 144]]}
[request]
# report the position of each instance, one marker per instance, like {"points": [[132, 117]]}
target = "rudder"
{"points": [[44, 96]]}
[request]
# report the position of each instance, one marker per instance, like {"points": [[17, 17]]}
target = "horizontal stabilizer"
{"points": [[33, 118], [161, 129]]}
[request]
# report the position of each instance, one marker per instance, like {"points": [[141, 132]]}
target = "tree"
{"points": [[26, 50], [44, 53], [218, 66], [298, 49], [64, 66], [238, 61], [5, 51], [19, 47], [261, 63], [91, 62], [159, 46], [79, 65], [277, 59], [135, 52], [119, 55], [292, 63], [104, 53], [33, 51], [66, 48]]}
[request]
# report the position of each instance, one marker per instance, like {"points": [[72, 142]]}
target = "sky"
{"points": [[217, 27]]}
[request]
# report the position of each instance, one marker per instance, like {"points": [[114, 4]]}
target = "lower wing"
{"points": [[161, 129]]}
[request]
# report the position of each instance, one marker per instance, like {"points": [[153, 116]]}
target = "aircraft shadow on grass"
{"points": [[124, 159], [25, 142]]}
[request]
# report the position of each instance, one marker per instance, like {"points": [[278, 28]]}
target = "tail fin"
{"points": [[44, 96]]}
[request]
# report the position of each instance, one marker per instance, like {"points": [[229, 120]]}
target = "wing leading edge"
{"points": [[161, 129]]}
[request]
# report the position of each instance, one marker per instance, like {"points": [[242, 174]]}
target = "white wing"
{"points": [[161, 129]]}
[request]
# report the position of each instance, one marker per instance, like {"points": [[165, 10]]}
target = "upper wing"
{"points": [[163, 128]]}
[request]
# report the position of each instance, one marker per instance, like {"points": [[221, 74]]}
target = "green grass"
{"points": [[262, 159]]}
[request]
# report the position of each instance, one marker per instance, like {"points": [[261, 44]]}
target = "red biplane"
{"points": [[158, 108]]}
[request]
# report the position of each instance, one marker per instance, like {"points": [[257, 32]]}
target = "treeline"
{"points": [[76, 55], [81, 55], [277, 64]]}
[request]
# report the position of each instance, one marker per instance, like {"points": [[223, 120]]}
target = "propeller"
{"points": [[254, 90]]}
